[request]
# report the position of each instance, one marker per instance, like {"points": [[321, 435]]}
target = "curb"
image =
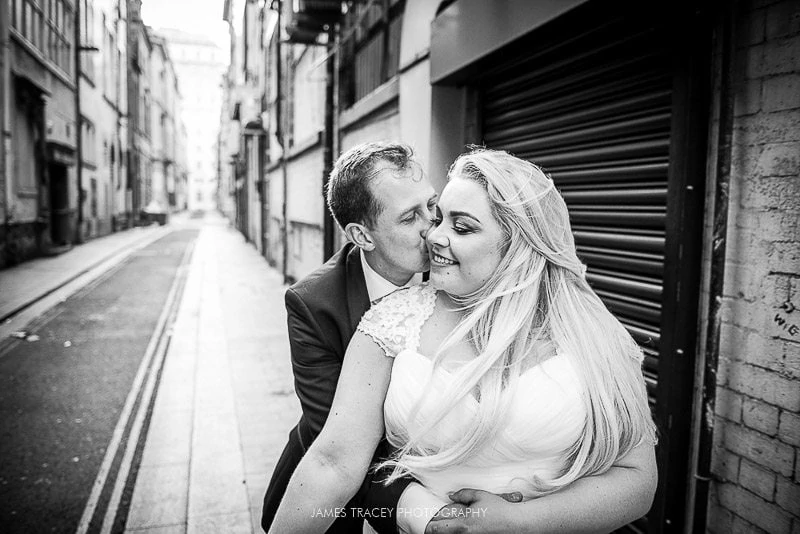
{"points": [[132, 246]]}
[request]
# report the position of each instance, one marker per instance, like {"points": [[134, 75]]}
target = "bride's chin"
{"points": [[439, 284], [436, 281]]}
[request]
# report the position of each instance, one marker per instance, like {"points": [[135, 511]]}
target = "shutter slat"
{"points": [[626, 242], [622, 174], [608, 259], [614, 217], [616, 197], [611, 284]]}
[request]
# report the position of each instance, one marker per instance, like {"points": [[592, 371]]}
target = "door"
{"points": [[60, 213]]}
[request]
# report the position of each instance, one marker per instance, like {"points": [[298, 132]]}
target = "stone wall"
{"points": [[756, 462]]}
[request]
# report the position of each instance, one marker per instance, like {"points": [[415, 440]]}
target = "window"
{"points": [[28, 18], [371, 49], [93, 198], [110, 64], [87, 22], [88, 141], [16, 14], [57, 33], [87, 38], [25, 139], [147, 119]]}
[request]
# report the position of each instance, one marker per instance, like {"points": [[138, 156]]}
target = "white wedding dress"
{"points": [[547, 413]]}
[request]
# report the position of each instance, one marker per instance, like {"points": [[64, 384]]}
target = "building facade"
{"points": [[103, 104], [40, 139], [78, 105], [199, 65], [242, 142], [677, 155], [168, 132], [140, 103]]}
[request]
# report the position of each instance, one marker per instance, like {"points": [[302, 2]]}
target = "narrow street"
{"points": [[157, 396]]}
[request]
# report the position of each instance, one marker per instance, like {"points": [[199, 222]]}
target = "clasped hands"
{"points": [[474, 511]]}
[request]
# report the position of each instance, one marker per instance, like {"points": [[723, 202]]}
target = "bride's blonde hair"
{"points": [[537, 295]]}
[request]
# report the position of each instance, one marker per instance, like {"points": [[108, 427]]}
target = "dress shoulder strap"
{"points": [[395, 322]]}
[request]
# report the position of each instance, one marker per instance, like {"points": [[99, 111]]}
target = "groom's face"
{"points": [[407, 199]]}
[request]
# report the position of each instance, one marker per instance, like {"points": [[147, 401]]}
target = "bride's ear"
{"points": [[360, 236]]}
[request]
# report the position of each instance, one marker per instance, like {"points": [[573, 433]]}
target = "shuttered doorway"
{"points": [[595, 113], [591, 100]]}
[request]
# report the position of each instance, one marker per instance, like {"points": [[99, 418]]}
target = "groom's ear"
{"points": [[360, 236]]}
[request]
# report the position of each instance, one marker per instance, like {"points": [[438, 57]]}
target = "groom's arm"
{"points": [[315, 364], [599, 503]]}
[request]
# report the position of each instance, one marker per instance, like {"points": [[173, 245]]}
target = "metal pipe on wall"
{"points": [[281, 137], [724, 142], [328, 144], [5, 99], [78, 123]]}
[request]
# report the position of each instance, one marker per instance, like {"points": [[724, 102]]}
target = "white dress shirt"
{"points": [[378, 286]]}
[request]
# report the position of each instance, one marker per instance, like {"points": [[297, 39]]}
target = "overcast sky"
{"points": [[203, 17]]}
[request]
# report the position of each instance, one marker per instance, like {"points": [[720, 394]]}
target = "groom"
{"points": [[380, 197]]}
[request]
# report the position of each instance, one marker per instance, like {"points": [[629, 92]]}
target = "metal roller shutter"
{"points": [[594, 110]]}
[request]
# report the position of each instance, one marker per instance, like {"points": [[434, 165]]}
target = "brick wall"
{"points": [[756, 463]]}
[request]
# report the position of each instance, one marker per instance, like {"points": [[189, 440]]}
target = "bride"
{"points": [[504, 373]]}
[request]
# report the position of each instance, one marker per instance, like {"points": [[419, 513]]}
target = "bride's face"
{"points": [[466, 242]]}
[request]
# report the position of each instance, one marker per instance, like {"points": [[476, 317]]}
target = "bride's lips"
{"points": [[441, 261]]}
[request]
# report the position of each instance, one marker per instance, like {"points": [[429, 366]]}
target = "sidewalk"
{"points": [[29, 281], [226, 401]]}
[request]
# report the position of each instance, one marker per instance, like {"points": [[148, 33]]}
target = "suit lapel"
{"points": [[357, 297]]}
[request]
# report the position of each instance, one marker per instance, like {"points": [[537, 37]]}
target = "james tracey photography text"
{"points": [[366, 513]]}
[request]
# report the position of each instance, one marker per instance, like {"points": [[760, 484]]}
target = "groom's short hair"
{"points": [[350, 197]]}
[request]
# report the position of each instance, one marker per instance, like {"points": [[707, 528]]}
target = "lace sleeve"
{"points": [[395, 322]]}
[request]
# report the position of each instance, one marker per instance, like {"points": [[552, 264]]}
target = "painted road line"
{"points": [[145, 371], [146, 402]]}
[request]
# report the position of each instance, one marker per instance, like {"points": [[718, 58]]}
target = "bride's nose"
{"points": [[436, 236]]}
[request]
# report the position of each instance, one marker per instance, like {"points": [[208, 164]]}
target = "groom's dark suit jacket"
{"points": [[324, 310]]}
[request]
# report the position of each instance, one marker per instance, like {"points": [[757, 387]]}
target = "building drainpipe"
{"points": [[118, 105], [280, 135], [726, 46], [5, 83], [78, 124], [328, 144]]}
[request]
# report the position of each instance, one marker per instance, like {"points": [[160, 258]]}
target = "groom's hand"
{"points": [[469, 511]]}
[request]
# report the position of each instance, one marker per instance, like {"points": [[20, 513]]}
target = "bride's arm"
{"points": [[335, 465]]}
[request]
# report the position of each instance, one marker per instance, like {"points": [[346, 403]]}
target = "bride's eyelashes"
{"points": [[462, 229], [458, 226]]}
